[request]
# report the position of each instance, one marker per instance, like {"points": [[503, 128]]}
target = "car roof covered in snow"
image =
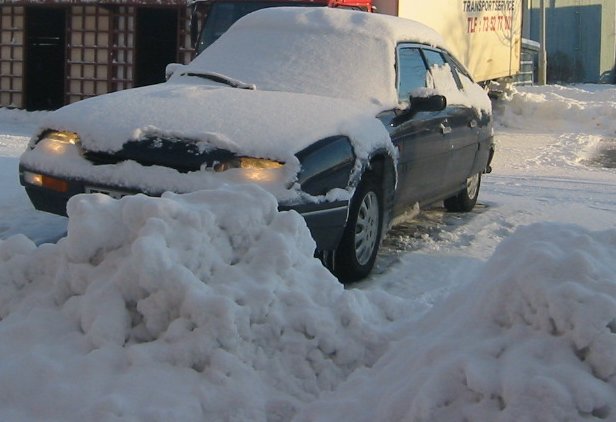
{"points": [[321, 51]]}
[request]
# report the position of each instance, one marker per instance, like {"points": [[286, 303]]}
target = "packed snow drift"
{"points": [[532, 337], [197, 295]]}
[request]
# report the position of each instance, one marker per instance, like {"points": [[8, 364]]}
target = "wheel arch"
{"points": [[382, 166], [483, 157]]}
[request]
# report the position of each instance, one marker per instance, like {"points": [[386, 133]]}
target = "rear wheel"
{"points": [[355, 256], [466, 199]]}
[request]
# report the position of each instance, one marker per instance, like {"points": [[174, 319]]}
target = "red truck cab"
{"points": [[211, 18]]}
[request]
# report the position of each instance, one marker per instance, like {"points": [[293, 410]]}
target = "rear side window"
{"points": [[434, 58], [457, 67], [411, 72], [442, 76]]}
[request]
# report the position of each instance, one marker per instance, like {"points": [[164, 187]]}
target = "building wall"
{"points": [[11, 55], [99, 53], [580, 38], [88, 64]]}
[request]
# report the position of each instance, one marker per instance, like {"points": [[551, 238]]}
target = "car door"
{"points": [[421, 137], [462, 120]]}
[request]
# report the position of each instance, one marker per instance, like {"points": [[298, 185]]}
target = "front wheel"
{"points": [[356, 253], [466, 199]]}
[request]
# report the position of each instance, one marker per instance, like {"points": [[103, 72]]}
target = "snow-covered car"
{"points": [[349, 118]]}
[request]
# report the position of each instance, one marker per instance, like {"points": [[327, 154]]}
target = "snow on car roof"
{"points": [[321, 51]]}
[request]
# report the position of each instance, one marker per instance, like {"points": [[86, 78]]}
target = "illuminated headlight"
{"points": [[57, 142], [247, 163], [62, 137], [254, 169]]}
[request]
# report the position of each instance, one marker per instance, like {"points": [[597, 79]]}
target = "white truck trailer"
{"points": [[485, 35]]}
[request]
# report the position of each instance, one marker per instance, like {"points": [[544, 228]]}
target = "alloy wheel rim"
{"points": [[366, 228], [472, 185]]}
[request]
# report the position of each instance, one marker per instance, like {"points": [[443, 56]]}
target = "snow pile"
{"points": [[16, 123], [590, 108], [204, 306], [582, 114], [10, 115], [533, 338]]}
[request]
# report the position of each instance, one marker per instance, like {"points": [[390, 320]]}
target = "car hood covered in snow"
{"points": [[250, 122]]}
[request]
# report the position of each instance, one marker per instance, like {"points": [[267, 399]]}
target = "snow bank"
{"points": [[12, 115], [583, 115], [209, 306], [204, 306], [16, 122], [561, 108], [532, 338]]}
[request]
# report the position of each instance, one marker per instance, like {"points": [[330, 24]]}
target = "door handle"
{"points": [[445, 128]]}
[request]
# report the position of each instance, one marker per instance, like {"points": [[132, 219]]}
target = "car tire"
{"points": [[356, 253], [466, 199]]}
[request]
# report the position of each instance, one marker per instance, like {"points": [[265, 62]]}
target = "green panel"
{"points": [[579, 39]]}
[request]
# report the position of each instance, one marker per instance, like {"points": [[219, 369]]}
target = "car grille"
{"points": [[179, 155], [98, 158]]}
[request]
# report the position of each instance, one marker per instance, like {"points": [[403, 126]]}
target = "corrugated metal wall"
{"points": [[580, 39]]}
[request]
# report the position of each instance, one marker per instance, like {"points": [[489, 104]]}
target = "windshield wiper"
{"points": [[217, 77]]}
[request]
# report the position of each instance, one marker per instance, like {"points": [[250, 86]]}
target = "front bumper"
{"points": [[325, 220]]}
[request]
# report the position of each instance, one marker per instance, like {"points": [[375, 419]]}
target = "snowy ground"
{"points": [[196, 307]]}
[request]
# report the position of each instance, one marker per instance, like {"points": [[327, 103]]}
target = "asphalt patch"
{"points": [[606, 158]]}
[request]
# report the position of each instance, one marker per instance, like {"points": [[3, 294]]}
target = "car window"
{"points": [[221, 15], [434, 58], [442, 76], [457, 67], [438, 60], [461, 75], [411, 72]]}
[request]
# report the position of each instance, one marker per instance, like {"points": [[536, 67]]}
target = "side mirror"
{"points": [[171, 68], [431, 103]]}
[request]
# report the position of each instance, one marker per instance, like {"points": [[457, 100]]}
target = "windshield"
{"points": [[316, 51], [223, 14]]}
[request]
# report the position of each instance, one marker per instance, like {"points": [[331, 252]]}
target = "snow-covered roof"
{"points": [[321, 51]]}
